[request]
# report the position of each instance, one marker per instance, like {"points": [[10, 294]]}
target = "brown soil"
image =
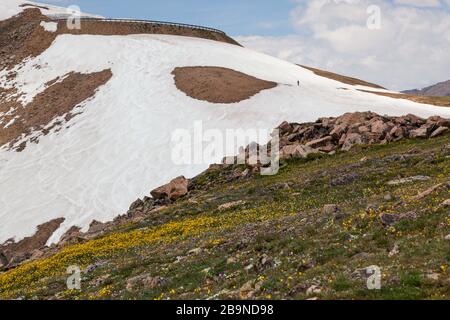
{"points": [[218, 85], [22, 36], [435, 101], [12, 253], [343, 79], [125, 28], [59, 99]]}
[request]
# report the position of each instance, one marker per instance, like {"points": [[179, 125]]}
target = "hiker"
{"points": [[298, 83]]}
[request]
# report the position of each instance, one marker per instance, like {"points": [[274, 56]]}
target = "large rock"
{"points": [[390, 219], [96, 227], [174, 190], [350, 140], [397, 133], [422, 132], [411, 119], [296, 151], [338, 131], [317, 143], [355, 117], [440, 122], [379, 127], [73, 235], [439, 131]]}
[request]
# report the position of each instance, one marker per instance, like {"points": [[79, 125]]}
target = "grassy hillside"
{"points": [[270, 238], [434, 101]]}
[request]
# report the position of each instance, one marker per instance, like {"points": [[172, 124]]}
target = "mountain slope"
{"points": [[341, 78], [118, 146], [308, 232], [440, 89]]}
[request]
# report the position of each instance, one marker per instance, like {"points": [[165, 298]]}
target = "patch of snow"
{"points": [[49, 26], [10, 8], [10, 123], [119, 148]]}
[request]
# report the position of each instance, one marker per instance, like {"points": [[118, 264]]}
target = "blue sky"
{"points": [[409, 48], [236, 17]]}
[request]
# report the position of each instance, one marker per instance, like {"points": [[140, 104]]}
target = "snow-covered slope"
{"points": [[9, 8], [119, 148]]}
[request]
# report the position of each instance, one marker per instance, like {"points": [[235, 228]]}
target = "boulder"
{"points": [[411, 119], [329, 148], [390, 219], [174, 190], [379, 127], [137, 204], [338, 131], [285, 127], [317, 143], [439, 131], [3, 260], [73, 235], [355, 117], [440, 122], [422, 132], [330, 209], [397, 133], [96, 227], [296, 151], [350, 140]]}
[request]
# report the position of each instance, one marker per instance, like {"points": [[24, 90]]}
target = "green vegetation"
{"points": [[275, 241]]}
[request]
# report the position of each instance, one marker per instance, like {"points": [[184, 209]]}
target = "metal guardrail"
{"points": [[152, 22]]}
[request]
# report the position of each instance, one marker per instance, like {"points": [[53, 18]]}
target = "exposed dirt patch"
{"points": [[125, 28], [22, 36], [218, 85], [435, 101], [341, 78], [59, 99], [12, 253]]}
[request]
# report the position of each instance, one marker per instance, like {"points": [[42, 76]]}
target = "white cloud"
{"points": [[411, 48], [419, 3]]}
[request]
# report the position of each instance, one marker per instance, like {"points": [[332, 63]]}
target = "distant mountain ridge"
{"points": [[441, 89]]}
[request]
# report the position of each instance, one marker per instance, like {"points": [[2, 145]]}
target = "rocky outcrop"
{"points": [[13, 254], [328, 135], [172, 191], [297, 141]]}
